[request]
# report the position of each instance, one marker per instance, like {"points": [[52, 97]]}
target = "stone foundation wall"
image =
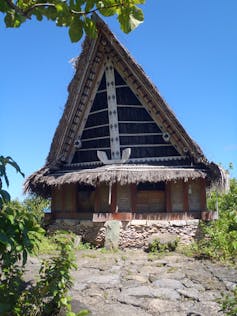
{"points": [[138, 233], [133, 234]]}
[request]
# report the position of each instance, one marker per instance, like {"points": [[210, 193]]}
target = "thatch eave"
{"points": [[42, 181]]}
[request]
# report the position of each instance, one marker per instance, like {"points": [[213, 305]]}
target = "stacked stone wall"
{"points": [[133, 234]]}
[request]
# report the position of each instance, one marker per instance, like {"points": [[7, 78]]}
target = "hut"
{"points": [[119, 152]]}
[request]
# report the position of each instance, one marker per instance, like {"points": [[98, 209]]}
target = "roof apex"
{"points": [[88, 64]]}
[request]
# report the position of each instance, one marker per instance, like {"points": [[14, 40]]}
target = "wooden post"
{"points": [[113, 205], [133, 192], [63, 194], [97, 199], [203, 203], [168, 197], [53, 200], [74, 197], [185, 197]]}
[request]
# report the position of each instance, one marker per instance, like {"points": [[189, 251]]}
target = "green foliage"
{"points": [[36, 205], [49, 295], [74, 14], [225, 202], [20, 234], [229, 303], [220, 236], [50, 244], [4, 161], [84, 246], [156, 246]]}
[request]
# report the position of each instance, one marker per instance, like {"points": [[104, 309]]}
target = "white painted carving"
{"points": [[112, 110], [102, 156]]}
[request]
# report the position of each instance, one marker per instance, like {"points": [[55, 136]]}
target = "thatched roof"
{"points": [[88, 66], [43, 180], [82, 89]]}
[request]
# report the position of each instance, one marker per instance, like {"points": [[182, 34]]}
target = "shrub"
{"points": [[36, 206], [220, 236], [19, 235], [49, 294], [158, 246], [229, 303]]}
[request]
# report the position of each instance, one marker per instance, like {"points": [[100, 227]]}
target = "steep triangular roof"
{"points": [[82, 89], [177, 157]]}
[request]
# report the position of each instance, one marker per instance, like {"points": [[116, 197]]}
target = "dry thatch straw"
{"points": [[43, 180]]}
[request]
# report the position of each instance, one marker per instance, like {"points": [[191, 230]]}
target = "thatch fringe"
{"points": [[43, 180], [220, 179]]}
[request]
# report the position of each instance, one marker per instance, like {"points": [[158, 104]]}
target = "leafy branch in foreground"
{"points": [[20, 235], [74, 14], [4, 161], [49, 295]]}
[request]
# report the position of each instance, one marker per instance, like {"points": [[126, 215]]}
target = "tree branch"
{"points": [[26, 12], [14, 7]]}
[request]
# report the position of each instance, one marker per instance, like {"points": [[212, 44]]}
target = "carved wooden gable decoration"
{"points": [[114, 114]]}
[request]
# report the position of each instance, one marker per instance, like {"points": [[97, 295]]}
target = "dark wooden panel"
{"points": [[150, 201], [168, 197], [185, 197]]}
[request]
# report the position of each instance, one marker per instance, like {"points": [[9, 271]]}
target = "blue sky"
{"points": [[187, 48]]}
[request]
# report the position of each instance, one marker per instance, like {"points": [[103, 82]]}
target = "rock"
{"points": [[161, 307], [168, 283], [118, 309], [129, 283], [110, 280], [138, 278], [139, 291], [203, 309], [112, 231], [166, 294], [190, 293], [164, 238], [135, 301]]}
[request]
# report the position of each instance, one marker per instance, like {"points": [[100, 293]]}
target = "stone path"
{"points": [[134, 283]]}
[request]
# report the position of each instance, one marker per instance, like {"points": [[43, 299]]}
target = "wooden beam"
{"points": [[133, 192], [74, 197], [53, 200], [113, 205], [97, 199], [168, 197], [203, 194], [63, 195], [185, 196]]}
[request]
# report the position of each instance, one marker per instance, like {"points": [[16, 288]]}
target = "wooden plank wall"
{"points": [[177, 197]]}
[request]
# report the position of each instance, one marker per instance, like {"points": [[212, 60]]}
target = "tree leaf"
{"points": [[76, 30], [89, 5], [4, 239], [129, 18], [90, 28], [106, 8], [5, 196], [59, 7]]}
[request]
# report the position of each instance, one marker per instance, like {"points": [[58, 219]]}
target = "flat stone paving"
{"points": [[135, 283]]}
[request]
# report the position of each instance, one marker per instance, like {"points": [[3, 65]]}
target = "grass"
{"points": [[49, 243]]}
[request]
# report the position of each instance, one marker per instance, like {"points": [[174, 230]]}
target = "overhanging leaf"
{"points": [[90, 28], [5, 196], [76, 30]]}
